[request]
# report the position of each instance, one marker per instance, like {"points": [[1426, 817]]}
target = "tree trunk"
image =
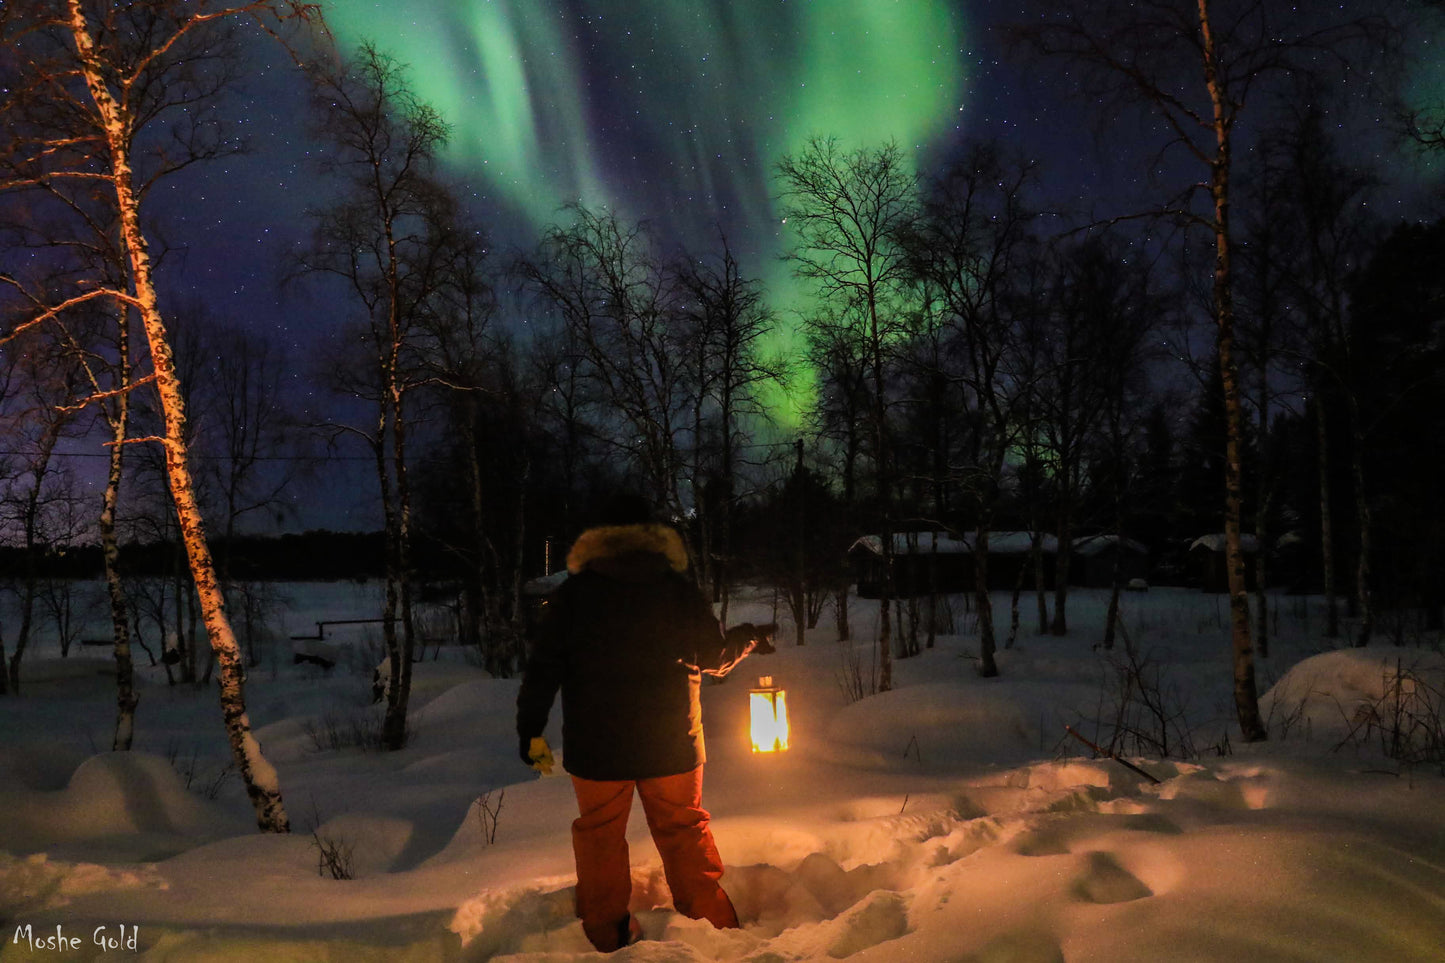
{"points": [[31, 522], [1116, 574], [399, 697], [1111, 619], [126, 697], [1261, 574], [1264, 498], [801, 508], [27, 613], [987, 665], [723, 571], [258, 776], [1040, 580], [885, 627], [1063, 556], [932, 592], [1327, 533], [472, 587], [518, 654], [880, 432], [185, 646], [1362, 517], [1245, 693], [1015, 617], [845, 630]]}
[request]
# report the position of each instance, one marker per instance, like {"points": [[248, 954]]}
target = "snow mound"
{"points": [[131, 800], [37, 882], [941, 725], [371, 844], [502, 921], [469, 700], [1335, 692], [75, 677]]}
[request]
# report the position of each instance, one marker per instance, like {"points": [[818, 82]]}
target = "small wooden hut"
{"points": [[1206, 561], [925, 562], [1094, 557]]}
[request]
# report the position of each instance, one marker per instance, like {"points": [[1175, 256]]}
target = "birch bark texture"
{"points": [[109, 87]]}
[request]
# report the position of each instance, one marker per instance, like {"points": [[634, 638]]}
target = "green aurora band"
{"points": [[667, 110]]}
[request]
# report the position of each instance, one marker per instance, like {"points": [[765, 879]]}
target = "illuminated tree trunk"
{"points": [[126, 698], [256, 773], [1246, 699]]}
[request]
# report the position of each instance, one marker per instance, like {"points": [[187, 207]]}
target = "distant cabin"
{"points": [[1206, 561], [925, 562], [1092, 562]]}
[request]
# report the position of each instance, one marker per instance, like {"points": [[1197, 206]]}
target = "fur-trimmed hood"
{"points": [[623, 551]]}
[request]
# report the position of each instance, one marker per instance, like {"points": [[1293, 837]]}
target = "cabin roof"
{"points": [[925, 543]]}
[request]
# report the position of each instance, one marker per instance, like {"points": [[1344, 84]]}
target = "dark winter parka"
{"points": [[626, 638]]}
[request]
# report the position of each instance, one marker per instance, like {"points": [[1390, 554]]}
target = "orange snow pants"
{"points": [[679, 825]]}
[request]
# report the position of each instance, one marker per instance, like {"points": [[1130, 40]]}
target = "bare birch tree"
{"points": [[378, 240], [1196, 65], [729, 319], [608, 283], [97, 68], [44, 419], [849, 212], [970, 241]]}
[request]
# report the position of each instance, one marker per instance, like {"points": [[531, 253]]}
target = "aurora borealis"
{"points": [[674, 112]]}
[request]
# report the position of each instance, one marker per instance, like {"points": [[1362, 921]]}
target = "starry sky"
{"points": [[672, 112], [669, 111]]}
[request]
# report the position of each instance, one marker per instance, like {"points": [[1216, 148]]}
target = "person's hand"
{"points": [[763, 636], [539, 756]]}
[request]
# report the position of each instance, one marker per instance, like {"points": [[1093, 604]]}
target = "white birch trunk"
{"points": [[1246, 698], [256, 773], [126, 698]]}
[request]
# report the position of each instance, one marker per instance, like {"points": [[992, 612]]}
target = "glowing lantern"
{"points": [[769, 716]]}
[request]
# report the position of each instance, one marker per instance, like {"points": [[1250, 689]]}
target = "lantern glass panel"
{"points": [[769, 712]]}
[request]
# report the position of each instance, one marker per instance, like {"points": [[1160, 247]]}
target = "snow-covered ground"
{"points": [[951, 819]]}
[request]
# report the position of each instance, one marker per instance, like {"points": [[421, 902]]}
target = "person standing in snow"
{"points": [[626, 639]]}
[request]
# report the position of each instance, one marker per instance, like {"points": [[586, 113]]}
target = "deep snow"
{"points": [[951, 819]]}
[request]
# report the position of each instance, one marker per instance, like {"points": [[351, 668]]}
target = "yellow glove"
{"points": [[541, 755]]}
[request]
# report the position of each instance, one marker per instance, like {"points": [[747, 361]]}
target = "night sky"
{"points": [[674, 112]]}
